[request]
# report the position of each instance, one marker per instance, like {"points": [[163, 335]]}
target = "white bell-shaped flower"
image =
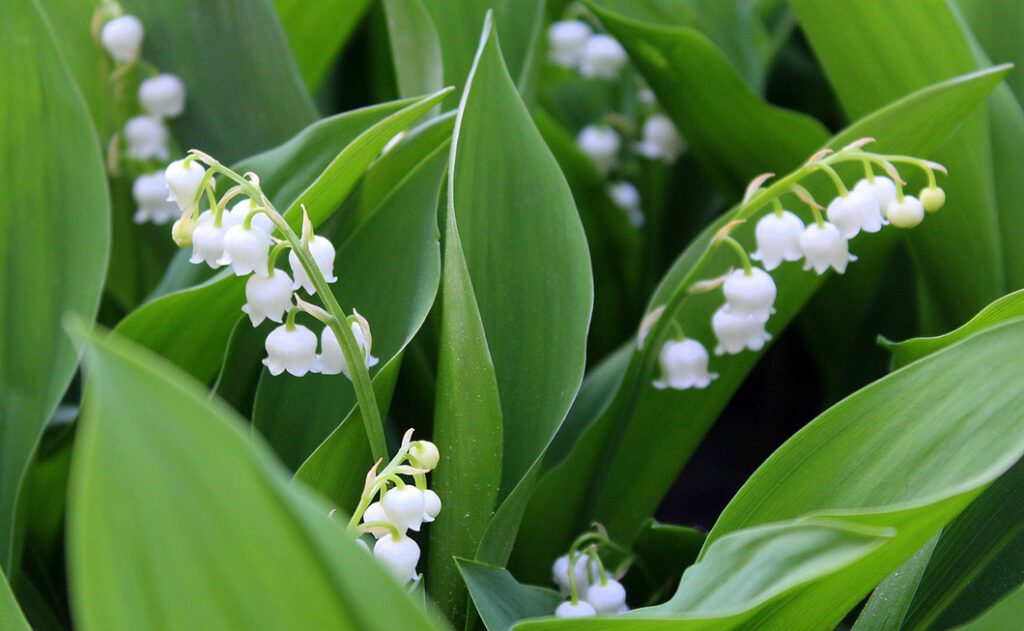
{"points": [[431, 506], [584, 569], [778, 239], [906, 214], [122, 37], [332, 360], [404, 507], [932, 198], [602, 57], [246, 250], [375, 513], [207, 241], [626, 197], [582, 609], [601, 144], [398, 556], [323, 254], [661, 139], [147, 138], [684, 364], [883, 189], [856, 211], [241, 210], [292, 350], [737, 333], [163, 95], [426, 453], [566, 40], [750, 293], [825, 247], [268, 297], [150, 193], [183, 182], [607, 598]]}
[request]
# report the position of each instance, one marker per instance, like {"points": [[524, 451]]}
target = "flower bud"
{"points": [[268, 297], [322, 251], [162, 95], [375, 513], [150, 193], [431, 506], [601, 144], [425, 454], [207, 241], [183, 182], [147, 138], [825, 247], [581, 609], [661, 139], [181, 231], [404, 507], [246, 250], [906, 214], [122, 37], [932, 198], [608, 598], [566, 40], [292, 350], [737, 333], [856, 211], [684, 364], [750, 293], [602, 56], [332, 359], [398, 556], [778, 239]]}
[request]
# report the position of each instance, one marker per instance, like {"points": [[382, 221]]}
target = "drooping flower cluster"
{"points": [[781, 236], [582, 577], [391, 506], [243, 237], [160, 96], [573, 44]]}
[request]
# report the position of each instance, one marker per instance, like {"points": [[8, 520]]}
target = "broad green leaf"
{"points": [[55, 218], [318, 31], [1006, 614], [244, 90], [388, 271], [661, 553], [979, 558], [502, 601], [168, 483], [613, 445], [944, 427], [742, 572], [1008, 307], [875, 51], [415, 47], [157, 324], [995, 25], [734, 133], [11, 617], [468, 425], [888, 604]]}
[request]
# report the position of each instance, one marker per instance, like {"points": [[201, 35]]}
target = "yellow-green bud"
{"points": [[425, 454], [181, 231], [933, 198]]}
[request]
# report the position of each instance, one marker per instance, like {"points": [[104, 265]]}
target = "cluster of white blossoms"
{"points": [[781, 236], [573, 44], [400, 506], [242, 237], [582, 578], [160, 96]]}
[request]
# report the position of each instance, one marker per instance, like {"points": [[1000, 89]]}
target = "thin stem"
{"points": [[574, 597], [289, 323], [272, 257], [741, 252], [838, 181], [869, 172], [777, 206], [596, 558]]}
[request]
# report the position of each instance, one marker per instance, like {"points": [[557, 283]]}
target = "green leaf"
{"points": [[1006, 614], [415, 47], [56, 222], [609, 445], [945, 427], [318, 31], [11, 617], [995, 25], [388, 270], [244, 90], [501, 600], [215, 535], [876, 51], [734, 133], [1008, 307], [888, 604], [979, 558], [157, 324], [662, 552]]}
